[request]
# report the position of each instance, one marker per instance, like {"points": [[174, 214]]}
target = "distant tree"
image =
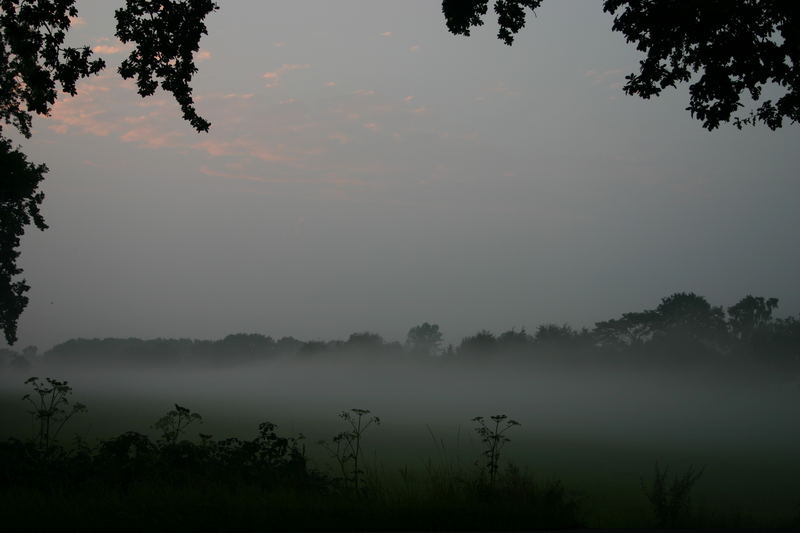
{"points": [[688, 316], [750, 315], [631, 330], [513, 341], [287, 345], [449, 352], [244, 347], [782, 344], [555, 334], [482, 344], [364, 342], [424, 340], [314, 348], [682, 323]]}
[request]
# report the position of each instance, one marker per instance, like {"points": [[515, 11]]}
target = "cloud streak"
{"points": [[275, 77], [325, 180]]}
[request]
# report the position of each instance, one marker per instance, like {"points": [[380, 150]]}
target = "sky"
{"points": [[368, 171]]}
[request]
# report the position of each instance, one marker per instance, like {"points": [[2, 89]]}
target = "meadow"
{"points": [[588, 440]]}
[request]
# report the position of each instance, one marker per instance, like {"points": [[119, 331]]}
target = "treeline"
{"points": [[683, 329]]}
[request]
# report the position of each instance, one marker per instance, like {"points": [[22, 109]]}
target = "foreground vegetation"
{"points": [[135, 481]]}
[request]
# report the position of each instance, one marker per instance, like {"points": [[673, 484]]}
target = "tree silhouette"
{"points": [[166, 34], [33, 63], [632, 329], [482, 344], [425, 339], [687, 315], [749, 315], [730, 51], [20, 199]]}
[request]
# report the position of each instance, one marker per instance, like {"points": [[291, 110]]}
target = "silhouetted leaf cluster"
{"points": [[34, 60], [727, 51], [166, 34], [35, 65], [20, 199], [461, 15]]}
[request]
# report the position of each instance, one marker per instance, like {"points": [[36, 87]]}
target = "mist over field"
{"points": [[592, 425], [657, 407]]}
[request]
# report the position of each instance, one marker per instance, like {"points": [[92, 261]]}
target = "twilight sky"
{"points": [[366, 170]]}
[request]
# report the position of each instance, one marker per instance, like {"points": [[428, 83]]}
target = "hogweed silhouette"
{"points": [[173, 424], [51, 409], [669, 499], [345, 447], [494, 439]]}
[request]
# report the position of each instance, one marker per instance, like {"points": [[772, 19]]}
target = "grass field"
{"points": [[601, 436]]}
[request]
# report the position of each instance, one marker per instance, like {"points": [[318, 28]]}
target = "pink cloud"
{"points": [[329, 179], [202, 55], [386, 34], [276, 76], [339, 137], [151, 137], [107, 49], [82, 113], [215, 148], [77, 21], [237, 96], [242, 148], [229, 175], [139, 118], [109, 46], [154, 102]]}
